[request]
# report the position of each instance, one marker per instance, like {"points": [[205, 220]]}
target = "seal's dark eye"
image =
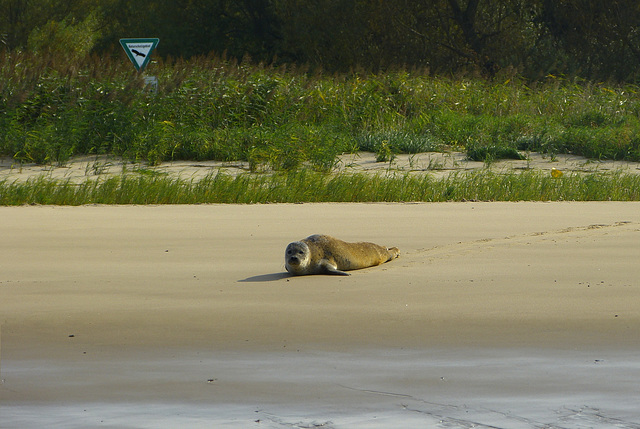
{"points": [[288, 252]]}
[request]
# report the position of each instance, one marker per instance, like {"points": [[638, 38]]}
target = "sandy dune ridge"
{"points": [[437, 164]]}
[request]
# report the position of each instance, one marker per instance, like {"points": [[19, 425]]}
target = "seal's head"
{"points": [[297, 257]]}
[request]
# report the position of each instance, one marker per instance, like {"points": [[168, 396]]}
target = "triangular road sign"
{"points": [[139, 50]]}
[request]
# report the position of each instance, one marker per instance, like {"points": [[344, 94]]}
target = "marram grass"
{"points": [[310, 186], [283, 118]]}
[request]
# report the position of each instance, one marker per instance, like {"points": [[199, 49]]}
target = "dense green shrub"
{"points": [[279, 118]]}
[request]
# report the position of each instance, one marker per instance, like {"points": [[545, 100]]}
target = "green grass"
{"points": [[294, 123], [306, 185], [282, 119]]}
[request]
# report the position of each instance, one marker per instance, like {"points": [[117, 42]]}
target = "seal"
{"points": [[323, 254]]}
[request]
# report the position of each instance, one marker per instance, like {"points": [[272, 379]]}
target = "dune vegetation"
{"points": [[289, 120]]}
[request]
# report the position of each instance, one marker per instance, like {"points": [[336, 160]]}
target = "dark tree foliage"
{"points": [[601, 39], [591, 38], [196, 27]]}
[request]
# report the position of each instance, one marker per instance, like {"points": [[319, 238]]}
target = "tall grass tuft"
{"points": [[306, 185]]}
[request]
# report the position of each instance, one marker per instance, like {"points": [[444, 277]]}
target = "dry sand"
{"points": [[495, 314]]}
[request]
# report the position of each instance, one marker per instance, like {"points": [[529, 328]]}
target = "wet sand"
{"points": [[495, 314]]}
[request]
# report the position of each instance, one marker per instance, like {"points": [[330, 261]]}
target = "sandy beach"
{"points": [[495, 315]]}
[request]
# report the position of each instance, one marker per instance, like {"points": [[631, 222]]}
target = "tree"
{"points": [[592, 38], [196, 27], [22, 19], [601, 39]]}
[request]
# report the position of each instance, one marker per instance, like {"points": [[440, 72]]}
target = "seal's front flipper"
{"points": [[332, 269], [337, 272]]}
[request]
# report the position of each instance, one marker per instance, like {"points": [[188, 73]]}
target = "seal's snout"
{"points": [[294, 260]]}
